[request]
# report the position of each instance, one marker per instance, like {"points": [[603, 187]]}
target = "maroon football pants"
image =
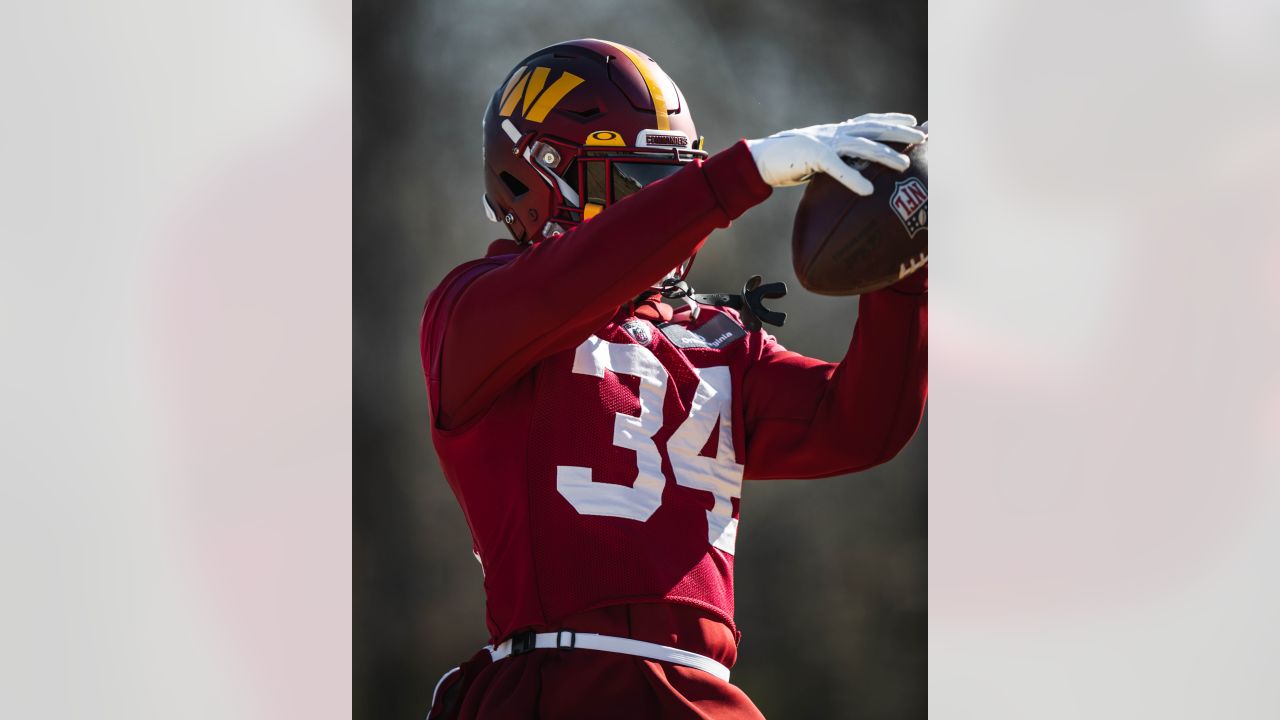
{"points": [[571, 684]]}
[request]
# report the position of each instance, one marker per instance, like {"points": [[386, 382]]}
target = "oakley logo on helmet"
{"points": [[606, 138], [538, 98]]}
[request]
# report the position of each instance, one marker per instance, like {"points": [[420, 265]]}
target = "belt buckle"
{"points": [[573, 640], [523, 642]]}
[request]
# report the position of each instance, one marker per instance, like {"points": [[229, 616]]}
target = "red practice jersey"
{"points": [[598, 444]]}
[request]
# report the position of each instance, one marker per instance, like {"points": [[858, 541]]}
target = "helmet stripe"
{"points": [[551, 96], [511, 83], [537, 81], [513, 97], [655, 92]]}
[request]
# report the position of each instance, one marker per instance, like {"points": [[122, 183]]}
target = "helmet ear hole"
{"points": [[516, 187]]}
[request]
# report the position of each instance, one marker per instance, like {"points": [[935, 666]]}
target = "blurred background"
{"points": [[831, 574], [175, 300]]}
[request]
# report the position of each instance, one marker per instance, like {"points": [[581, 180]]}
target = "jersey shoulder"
{"points": [[459, 277], [441, 300]]}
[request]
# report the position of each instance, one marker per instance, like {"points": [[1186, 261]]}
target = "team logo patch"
{"points": [[529, 95], [639, 330], [910, 202], [715, 334]]}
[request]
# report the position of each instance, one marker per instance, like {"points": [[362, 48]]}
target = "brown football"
{"points": [[845, 244]]}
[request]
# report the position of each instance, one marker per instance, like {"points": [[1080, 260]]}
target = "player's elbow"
{"points": [[900, 432], [866, 445], [895, 443]]}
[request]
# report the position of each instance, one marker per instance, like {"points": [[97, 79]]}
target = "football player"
{"points": [[596, 437]]}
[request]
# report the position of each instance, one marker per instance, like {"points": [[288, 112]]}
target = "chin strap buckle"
{"points": [[677, 289]]}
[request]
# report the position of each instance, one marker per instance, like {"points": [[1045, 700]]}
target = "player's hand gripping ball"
{"points": [[844, 243]]}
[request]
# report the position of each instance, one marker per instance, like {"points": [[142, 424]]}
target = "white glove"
{"points": [[793, 156]]}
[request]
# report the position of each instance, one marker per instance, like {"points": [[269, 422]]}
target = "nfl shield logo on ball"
{"points": [[639, 330], [910, 201]]}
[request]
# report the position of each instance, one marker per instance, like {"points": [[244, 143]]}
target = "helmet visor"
{"points": [[629, 177], [608, 181]]}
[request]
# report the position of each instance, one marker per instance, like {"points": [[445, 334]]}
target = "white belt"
{"points": [[569, 640]]}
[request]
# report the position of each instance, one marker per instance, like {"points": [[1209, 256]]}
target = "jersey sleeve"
{"points": [[554, 294], [806, 418]]}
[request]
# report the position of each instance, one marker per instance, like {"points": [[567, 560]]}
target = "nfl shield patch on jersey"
{"points": [[639, 330]]}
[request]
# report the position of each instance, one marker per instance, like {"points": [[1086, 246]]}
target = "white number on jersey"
{"points": [[710, 409]]}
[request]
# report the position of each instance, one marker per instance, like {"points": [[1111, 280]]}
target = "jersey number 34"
{"points": [[711, 406]]}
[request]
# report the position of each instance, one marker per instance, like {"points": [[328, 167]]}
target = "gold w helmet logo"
{"points": [[531, 87]]}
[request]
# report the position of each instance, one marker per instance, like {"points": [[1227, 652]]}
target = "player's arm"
{"points": [[554, 294], [806, 418]]}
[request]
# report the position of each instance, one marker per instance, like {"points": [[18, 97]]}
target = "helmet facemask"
{"points": [[586, 179]]}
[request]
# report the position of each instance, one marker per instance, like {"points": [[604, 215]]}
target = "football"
{"points": [[846, 244]]}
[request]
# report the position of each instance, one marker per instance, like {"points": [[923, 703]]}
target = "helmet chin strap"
{"points": [[673, 288], [675, 275]]}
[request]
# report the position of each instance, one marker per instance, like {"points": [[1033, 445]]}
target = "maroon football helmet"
{"points": [[576, 127]]}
